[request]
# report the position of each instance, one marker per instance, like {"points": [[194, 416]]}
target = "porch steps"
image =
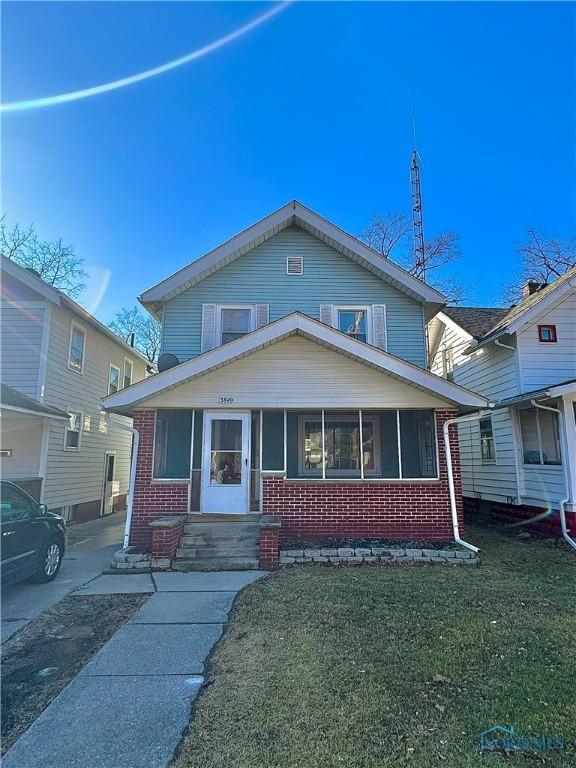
{"points": [[219, 543]]}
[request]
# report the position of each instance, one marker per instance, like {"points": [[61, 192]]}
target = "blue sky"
{"points": [[315, 104]]}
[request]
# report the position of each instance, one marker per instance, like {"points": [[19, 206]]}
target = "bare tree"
{"points": [[542, 260], [53, 262], [146, 330], [390, 236]]}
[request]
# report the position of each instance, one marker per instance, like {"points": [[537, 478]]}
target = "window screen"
{"points": [[172, 444]]}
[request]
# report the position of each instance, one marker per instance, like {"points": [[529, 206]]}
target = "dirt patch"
{"points": [[367, 543], [44, 656]]}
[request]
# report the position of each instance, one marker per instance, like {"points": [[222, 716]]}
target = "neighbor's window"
{"points": [[73, 429], [234, 323], [113, 379], [76, 348], [487, 449], [353, 321], [172, 444], [547, 334], [540, 437], [128, 372], [448, 363]]}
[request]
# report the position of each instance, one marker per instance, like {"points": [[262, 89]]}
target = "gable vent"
{"points": [[294, 265]]}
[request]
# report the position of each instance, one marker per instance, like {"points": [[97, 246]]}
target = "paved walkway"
{"points": [[129, 706], [90, 549]]}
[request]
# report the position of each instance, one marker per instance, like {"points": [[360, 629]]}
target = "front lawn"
{"points": [[385, 666]]}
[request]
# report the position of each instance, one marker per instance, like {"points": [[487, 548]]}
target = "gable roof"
{"points": [[485, 324], [292, 214], [13, 400], [61, 299], [475, 320], [295, 323]]}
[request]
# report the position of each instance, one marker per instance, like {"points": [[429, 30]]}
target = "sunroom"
{"points": [[224, 455]]}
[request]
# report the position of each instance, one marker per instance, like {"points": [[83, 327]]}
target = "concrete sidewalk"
{"points": [[130, 704]]}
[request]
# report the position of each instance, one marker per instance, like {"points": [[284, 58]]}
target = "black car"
{"points": [[33, 540]]}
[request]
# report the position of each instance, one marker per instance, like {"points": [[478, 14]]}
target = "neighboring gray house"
{"points": [[57, 362], [521, 460]]}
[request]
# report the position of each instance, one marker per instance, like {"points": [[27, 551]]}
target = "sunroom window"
{"points": [[540, 437], [172, 444]]}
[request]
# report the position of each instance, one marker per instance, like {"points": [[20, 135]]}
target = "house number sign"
{"points": [[226, 400]]}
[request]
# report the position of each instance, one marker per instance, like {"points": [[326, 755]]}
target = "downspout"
{"points": [[499, 343], [132, 480], [453, 509], [562, 503]]}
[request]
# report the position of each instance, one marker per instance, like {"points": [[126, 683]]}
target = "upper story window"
{"points": [[487, 447], [73, 431], [540, 437], [448, 363], [76, 348], [235, 322], [113, 379], [547, 334], [355, 322], [128, 372]]}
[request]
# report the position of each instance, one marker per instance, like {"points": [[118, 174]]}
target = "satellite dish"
{"points": [[167, 361]]}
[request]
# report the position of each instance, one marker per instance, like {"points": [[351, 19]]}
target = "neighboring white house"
{"points": [[521, 459], [57, 362]]}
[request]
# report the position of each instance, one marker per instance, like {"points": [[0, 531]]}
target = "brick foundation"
{"points": [[512, 513], [151, 499], [269, 547], [312, 509]]}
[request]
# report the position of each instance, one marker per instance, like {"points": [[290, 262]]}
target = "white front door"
{"points": [[226, 462]]}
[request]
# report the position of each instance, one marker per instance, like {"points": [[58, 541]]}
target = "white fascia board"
{"points": [[274, 332], [452, 324], [30, 412], [532, 314], [562, 389], [31, 281], [271, 224]]}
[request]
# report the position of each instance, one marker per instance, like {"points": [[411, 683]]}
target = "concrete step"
{"points": [[214, 517], [217, 551], [216, 564], [210, 539], [221, 529]]}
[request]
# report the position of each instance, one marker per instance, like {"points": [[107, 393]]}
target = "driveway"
{"points": [[90, 549]]}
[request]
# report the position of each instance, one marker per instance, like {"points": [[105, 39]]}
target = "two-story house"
{"points": [[57, 362], [293, 382], [520, 461]]}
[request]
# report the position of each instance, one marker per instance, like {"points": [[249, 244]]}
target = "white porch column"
{"points": [[569, 440]]}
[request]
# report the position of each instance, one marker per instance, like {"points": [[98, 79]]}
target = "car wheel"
{"points": [[49, 562]]}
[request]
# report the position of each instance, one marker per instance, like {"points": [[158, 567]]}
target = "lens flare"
{"points": [[49, 101]]}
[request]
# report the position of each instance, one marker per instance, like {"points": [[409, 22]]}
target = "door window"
{"points": [[15, 505], [226, 452]]}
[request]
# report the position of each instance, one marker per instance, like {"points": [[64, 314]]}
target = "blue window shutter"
{"points": [[327, 314], [261, 315], [209, 340], [380, 335]]}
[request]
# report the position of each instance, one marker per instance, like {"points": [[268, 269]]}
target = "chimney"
{"points": [[531, 287]]}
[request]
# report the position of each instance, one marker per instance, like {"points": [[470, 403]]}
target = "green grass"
{"points": [[387, 666]]}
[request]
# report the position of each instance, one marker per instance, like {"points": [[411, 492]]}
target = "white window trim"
{"points": [[220, 307], [116, 368], [131, 364], [488, 462], [80, 430], [337, 308], [541, 465], [82, 329]]}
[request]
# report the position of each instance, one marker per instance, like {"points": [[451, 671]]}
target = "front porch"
{"points": [[243, 480]]}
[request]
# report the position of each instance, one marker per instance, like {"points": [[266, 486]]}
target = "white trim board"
{"points": [[291, 214], [295, 323]]}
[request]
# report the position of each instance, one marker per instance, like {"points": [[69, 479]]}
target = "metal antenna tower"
{"points": [[417, 222]]}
